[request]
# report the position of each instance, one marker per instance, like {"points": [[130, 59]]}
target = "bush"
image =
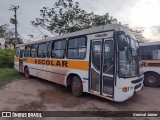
{"points": [[6, 58]]}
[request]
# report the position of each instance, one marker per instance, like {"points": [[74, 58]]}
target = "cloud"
{"points": [[132, 12], [155, 30], [27, 12]]}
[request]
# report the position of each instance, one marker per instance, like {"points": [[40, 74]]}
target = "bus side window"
{"points": [[77, 48], [58, 49], [33, 53], [27, 51], [49, 49], [150, 52], [42, 50]]}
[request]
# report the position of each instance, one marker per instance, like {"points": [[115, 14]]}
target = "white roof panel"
{"points": [[78, 33]]}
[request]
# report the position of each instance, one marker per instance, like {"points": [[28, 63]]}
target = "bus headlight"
{"points": [[130, 88]]}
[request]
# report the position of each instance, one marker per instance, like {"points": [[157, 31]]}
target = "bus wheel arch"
{"points": [[26, 72], [76, 84], [151, 79]]}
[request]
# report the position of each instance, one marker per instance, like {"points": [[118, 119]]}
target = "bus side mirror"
{"points": [[120, 37], [122, 42]]}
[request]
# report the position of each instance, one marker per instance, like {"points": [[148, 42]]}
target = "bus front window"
{"points": [[128, 57]]}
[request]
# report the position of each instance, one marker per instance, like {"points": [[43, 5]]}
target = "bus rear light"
{"points": [[125, 89]]}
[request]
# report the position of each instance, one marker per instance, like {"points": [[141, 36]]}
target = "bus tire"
{"points": [[76, 86], [152, 80], [26, 73]]}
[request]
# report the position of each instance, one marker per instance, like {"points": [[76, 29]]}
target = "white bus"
{"points": [[150, 55], [103, 61]]}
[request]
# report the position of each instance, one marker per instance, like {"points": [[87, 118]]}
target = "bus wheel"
{"points": [[26, 73], [76, 86], [151, 80]]}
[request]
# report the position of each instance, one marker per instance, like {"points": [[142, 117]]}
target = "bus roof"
{"points": [[149, 43], [114, 27]]}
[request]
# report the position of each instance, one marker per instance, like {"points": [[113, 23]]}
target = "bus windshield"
{"points": [[128, 57]]}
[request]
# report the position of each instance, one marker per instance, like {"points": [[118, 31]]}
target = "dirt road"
{"points": [[39, 95]]}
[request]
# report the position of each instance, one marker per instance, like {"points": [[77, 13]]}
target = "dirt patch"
{"points": [[40, 95], [62, 97], [33, 106], [2, 85]]}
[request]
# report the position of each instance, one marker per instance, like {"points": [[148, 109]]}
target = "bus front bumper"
{"points": [[121, 95]]}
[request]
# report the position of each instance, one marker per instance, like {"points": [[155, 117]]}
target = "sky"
{"points": [[137, 13]]}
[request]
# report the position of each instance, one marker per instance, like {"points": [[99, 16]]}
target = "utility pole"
{"points": [[14, 21]]}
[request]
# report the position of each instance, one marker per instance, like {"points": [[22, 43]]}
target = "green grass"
{"points": [[9, 74]]}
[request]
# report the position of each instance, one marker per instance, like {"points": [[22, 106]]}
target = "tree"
{"points": [[11, 41], [2, 30], [0, 44], [66, 16], [7, 36], [138, 32], [139, 35]]}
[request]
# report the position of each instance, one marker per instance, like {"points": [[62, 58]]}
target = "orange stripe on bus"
{"points": [[73, 64], [150, 63], [16, 59], [81, 65]]}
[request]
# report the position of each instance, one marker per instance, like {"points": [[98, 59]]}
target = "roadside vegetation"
{"points": [[6, 58], [9, 74], [7, 71]]}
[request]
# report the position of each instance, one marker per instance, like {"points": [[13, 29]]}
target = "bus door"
{"points": [[21, 60], [101, 66]]}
